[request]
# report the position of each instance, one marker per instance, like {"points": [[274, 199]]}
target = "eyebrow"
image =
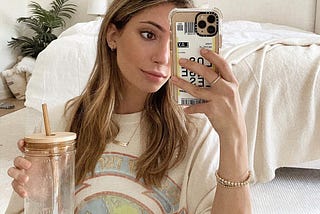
{"points": [[154, 24]]}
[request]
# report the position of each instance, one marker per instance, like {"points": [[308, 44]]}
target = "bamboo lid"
{"points": [[55, 137]]}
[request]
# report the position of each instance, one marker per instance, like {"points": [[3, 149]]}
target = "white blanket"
{"points": [[280, 88]]}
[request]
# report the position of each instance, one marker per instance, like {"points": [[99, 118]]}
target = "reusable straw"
{"points": [[46, 119], [54, 163]]}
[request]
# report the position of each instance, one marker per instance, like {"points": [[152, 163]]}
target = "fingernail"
{"points": [[174, 78], [24, 194], [204, 51], [183, 60]]}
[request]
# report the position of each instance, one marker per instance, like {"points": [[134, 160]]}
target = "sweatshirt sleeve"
{"points": [[199, 182], [16, 205]]}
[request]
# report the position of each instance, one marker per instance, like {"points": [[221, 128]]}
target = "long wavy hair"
{"points": [[91, 113]]}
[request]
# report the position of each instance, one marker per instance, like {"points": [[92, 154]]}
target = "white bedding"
{"points": [[276, 136], [279, 86], [239, 32]]}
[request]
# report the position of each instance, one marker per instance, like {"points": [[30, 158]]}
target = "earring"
{"points": [[112, 46]]}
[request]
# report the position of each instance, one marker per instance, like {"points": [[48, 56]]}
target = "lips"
{"points": [[155, 74]]}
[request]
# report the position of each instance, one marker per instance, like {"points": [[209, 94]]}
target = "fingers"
{"points": [[21, 145], [19, 189], [206, 72], [18, 175], [198, 108], [19, 180], [221, 65], [202, 93], [17, 172], [223, 105], [21, 163]]}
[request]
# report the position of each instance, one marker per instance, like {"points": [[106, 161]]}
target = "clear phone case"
{"points": [[191, 30]]}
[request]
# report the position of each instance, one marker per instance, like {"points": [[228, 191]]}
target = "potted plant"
{"points": [[42, 23]]}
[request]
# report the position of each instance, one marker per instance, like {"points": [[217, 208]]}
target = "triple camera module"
{"points": [[207, 24]]}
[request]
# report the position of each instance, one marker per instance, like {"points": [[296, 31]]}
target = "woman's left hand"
{"points": [[223, 106]]}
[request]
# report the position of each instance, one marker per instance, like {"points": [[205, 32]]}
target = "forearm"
{"points": [[233, 166]]}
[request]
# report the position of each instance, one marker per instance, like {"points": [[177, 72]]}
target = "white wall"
{"points": [[79, 16], [294, 13], [317, 24], [9, 12]]}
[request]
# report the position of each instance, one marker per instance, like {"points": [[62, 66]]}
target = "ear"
{"points": [[112, 36]]}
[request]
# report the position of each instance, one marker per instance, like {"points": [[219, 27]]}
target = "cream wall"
{"points": [[295, 13], [317, 24], [9, 12]]}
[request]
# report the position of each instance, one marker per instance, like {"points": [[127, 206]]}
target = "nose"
{"points": [[162, 53]]}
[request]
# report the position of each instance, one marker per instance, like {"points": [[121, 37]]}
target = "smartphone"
{"points": [[193, 29]]}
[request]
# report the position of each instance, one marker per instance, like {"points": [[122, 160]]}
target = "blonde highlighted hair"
{"points": [[91, 112]]}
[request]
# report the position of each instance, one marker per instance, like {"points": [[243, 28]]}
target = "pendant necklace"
{"points": [[125, 144]]}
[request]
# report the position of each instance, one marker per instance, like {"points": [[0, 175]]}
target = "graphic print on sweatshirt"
{"points": [[115, 189]]}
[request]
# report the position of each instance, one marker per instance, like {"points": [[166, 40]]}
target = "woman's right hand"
{"points": [[18, 172]]}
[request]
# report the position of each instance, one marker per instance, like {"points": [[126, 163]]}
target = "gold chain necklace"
{"points": [[125, 144]]}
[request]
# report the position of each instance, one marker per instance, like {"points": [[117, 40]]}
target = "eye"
{"points": [[148, 35]]}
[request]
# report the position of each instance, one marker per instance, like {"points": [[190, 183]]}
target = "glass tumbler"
{"points": [[51, 182]]}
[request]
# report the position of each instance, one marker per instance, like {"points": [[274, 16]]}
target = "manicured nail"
{"points": [[183, 61], [174, 78], [204, 51]]}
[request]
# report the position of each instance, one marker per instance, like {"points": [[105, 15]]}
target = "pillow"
{"points": [[18, 76], [16, 81], [62, 69]]}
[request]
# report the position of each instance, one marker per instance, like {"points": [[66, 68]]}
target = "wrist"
{"points": [[233, 162], [233, 183], [233, 138]]}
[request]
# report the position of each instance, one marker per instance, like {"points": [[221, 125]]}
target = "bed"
{"points": [[275, 58]]}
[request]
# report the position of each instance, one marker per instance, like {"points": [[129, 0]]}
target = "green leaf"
{"points": [[42, 22]]}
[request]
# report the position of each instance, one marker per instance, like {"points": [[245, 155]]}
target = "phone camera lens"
{"points": [[202, 24], [211, 19], [211, 29]]}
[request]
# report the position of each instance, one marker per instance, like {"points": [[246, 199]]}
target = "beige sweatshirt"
{"points": [[187, 188]]}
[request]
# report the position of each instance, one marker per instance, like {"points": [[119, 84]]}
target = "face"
{"points": [[143, 50]]}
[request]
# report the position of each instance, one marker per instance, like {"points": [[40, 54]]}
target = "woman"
{"points": [[137, 150]]}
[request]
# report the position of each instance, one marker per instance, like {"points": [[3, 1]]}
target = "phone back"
{"points": [[191, 30]]}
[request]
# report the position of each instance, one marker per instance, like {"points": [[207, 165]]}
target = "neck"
{"points": [[132, 102], [128, 107]]}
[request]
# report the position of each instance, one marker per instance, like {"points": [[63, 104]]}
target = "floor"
{"points": [[17, 104], [293, 191]]}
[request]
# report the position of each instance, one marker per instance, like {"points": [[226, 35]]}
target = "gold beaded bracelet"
{"points": [[232, 184]]}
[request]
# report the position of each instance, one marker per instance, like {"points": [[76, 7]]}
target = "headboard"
{"points": [[303, 14]]}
